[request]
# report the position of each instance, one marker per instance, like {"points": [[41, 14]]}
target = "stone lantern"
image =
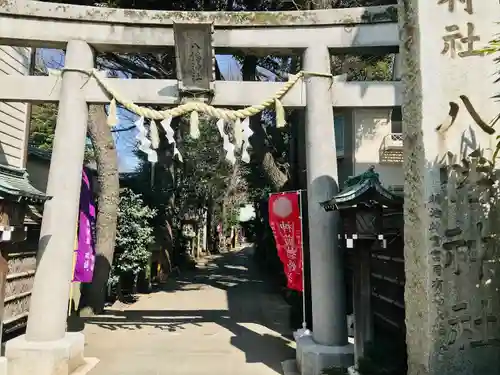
{"points": [[189, 229]]}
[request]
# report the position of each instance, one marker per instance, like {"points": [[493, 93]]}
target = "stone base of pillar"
{"points": [[313, 358], [61, 357], [289, 367], [3, 366]]}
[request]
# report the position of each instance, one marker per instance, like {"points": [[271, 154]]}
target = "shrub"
{"points": [[133, 239]]}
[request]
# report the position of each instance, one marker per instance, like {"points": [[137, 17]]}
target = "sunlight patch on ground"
{"points": [[239, 268]]}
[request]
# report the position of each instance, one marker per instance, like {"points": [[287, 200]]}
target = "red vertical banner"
{"points": [[286, 224]]}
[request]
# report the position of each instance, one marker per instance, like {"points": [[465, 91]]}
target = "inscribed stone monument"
{"points": [[451, 205]]}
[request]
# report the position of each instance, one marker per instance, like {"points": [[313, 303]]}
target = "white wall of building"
{"points": [[371, 126], [14, 117]]}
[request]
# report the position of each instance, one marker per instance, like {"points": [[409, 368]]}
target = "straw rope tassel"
{"points": [[155, 136], [238, 134], [280, 114], [194, 125], [112, 114]]}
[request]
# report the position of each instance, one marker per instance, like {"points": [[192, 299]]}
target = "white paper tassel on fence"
{"points": [[194, 126]]}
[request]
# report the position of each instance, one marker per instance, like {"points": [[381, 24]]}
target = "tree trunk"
{"points": [[223, 215], [211, 242], [261, 153], [232, 184], [94, 294]]}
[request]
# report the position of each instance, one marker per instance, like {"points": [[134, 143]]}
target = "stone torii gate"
{"points": [[46, 348], [451, 251]]}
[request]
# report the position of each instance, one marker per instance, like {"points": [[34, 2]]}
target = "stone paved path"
{"points": [[223, 319]]}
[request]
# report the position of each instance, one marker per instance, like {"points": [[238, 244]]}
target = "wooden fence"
{"points": [[387, 281], [21, 259]]}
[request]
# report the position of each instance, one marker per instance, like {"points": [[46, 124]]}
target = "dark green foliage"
{"points": [[43, 125], [133, 239]]}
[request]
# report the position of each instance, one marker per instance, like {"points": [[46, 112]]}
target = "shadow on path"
{"points": [[252, 311]]}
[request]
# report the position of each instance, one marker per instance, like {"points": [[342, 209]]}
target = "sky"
{"points": [[125, 141]]}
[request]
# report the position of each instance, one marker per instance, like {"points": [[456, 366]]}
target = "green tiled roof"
{"points": [[38, 152], [47, 154], [363, 189], [370, 174], [14, 183]]}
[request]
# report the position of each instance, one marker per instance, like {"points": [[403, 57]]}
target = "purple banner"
{"points": [[85, 253]]}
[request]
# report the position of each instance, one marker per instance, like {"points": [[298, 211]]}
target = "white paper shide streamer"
{"points": [[169, 132], [226, 144], [242, 134], [170, 135], [144, 143], [155, 143], [220, 126], [247, 133]]}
